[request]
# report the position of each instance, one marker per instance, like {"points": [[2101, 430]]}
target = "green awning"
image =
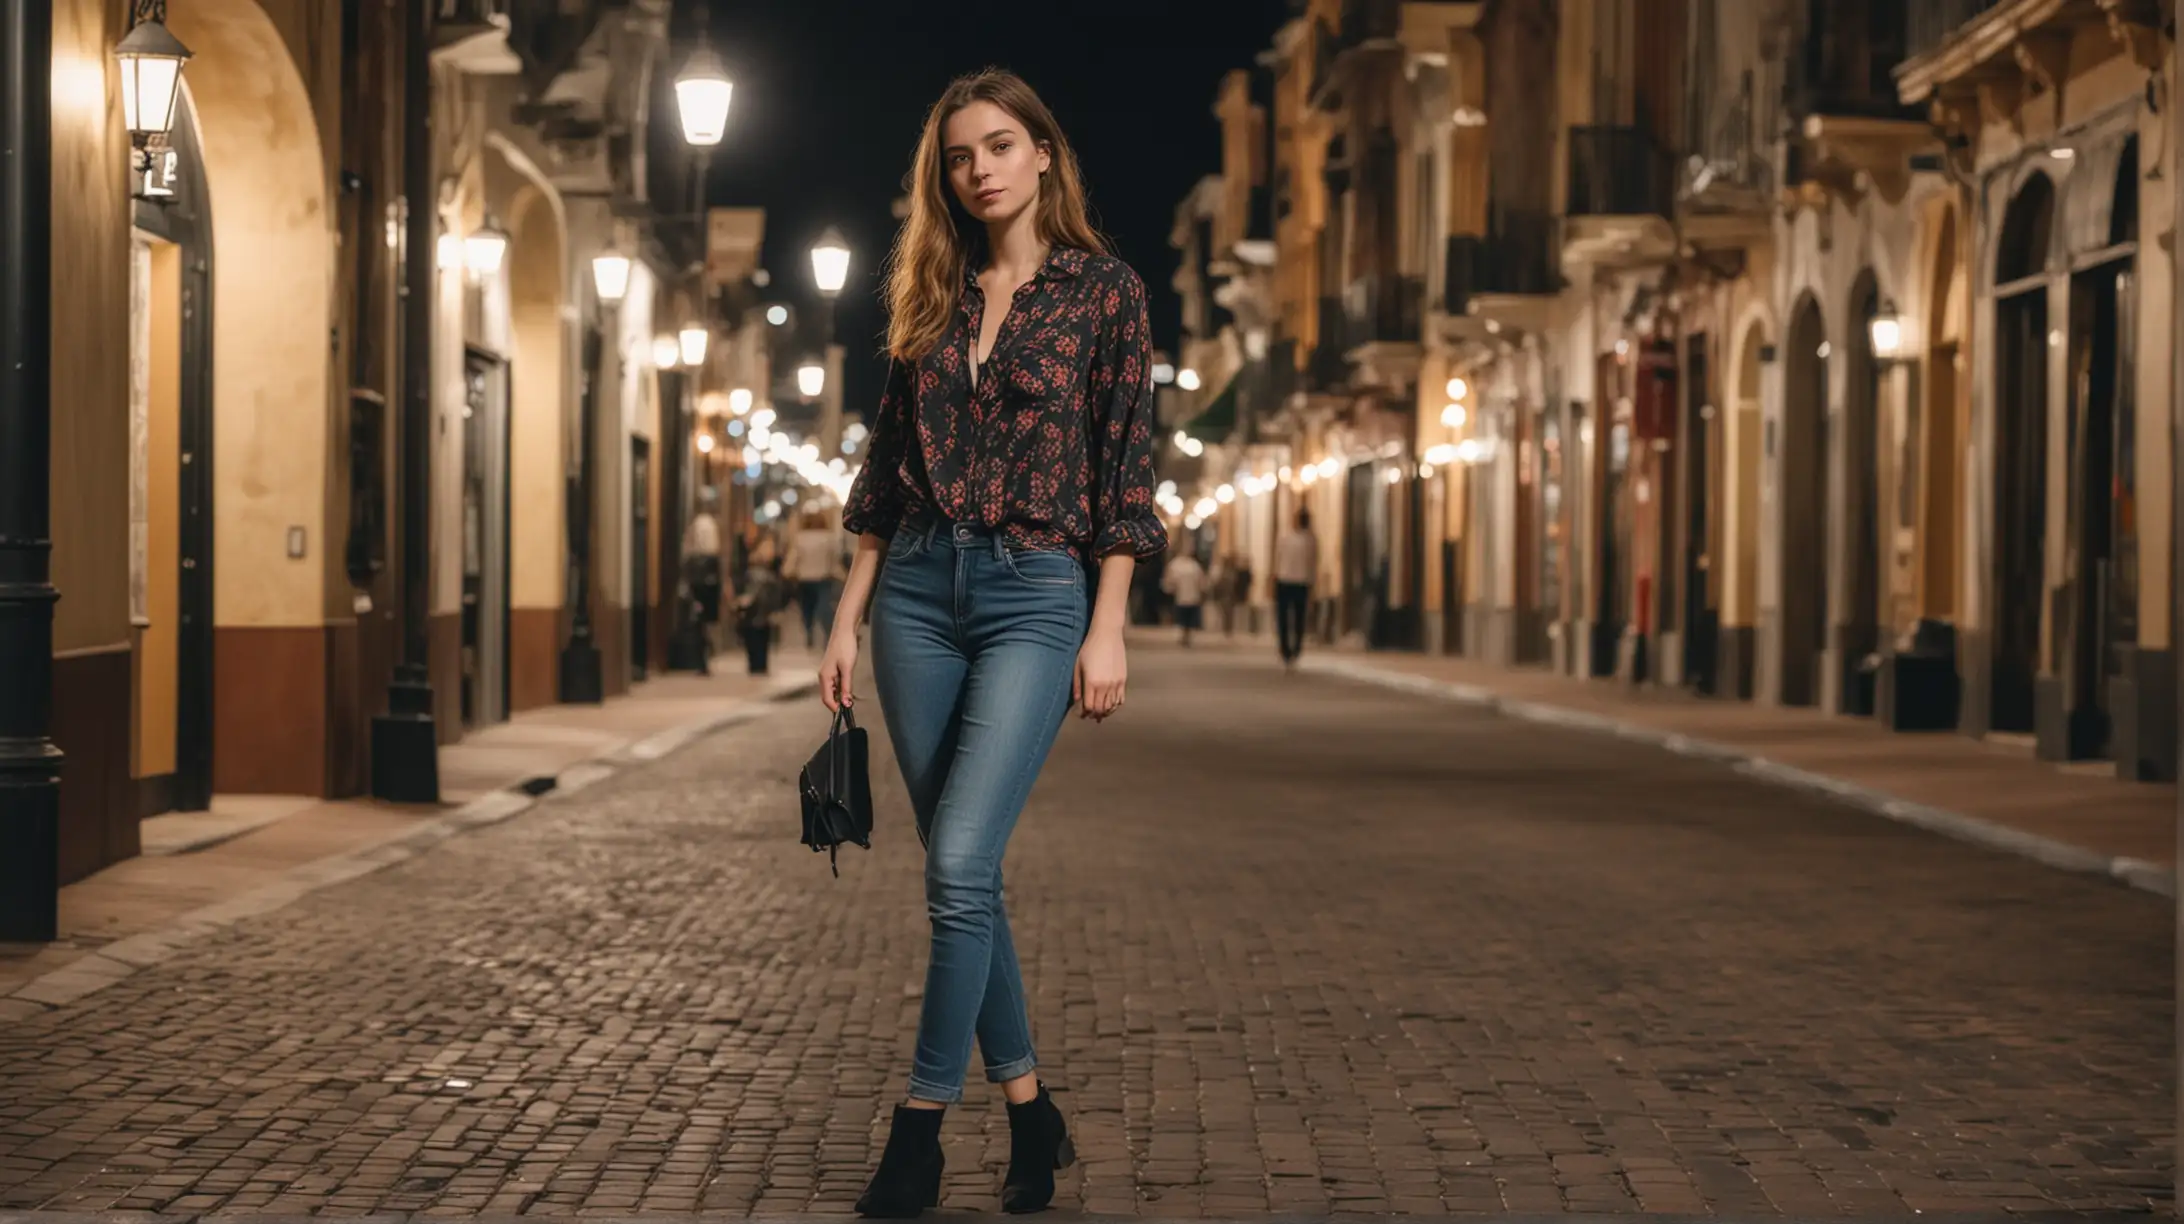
{"points": [[1218, 421]]}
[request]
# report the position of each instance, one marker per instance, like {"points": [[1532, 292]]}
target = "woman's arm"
{"points": [[838, 669], [1125, 524]]}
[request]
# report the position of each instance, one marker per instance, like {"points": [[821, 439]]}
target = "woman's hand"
{"points": [[1102, 671], [836, 668]]}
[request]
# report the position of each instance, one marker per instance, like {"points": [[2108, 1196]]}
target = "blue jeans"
{"points": [[973, 647]]}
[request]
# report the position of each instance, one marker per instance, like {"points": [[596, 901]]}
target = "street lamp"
{"points": [[610, 274], [830, 262], [811, 379], [666, 351], [151, 79], [1886, 329], [702, 91], [693, 345], [485, 247]]}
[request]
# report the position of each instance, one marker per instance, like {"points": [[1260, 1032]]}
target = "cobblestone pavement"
{"points": [[1295, 946]]}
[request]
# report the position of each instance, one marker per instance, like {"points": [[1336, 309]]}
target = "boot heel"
{"points": [[1066, 1154]]}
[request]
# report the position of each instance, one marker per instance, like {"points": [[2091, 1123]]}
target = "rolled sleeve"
{"points": [[1123, 514], [875, 503]]}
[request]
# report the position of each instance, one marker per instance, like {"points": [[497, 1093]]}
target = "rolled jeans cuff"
{"points": [[1012, 1069], [920, 1090]]}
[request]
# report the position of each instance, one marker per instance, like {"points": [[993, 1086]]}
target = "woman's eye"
{"points": [[1002, 147]]}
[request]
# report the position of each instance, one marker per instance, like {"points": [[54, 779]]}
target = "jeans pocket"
{"points": [[906, 541], [1044, 567]]}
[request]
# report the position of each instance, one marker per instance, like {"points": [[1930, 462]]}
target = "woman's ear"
{"points": [[1046, 158]]}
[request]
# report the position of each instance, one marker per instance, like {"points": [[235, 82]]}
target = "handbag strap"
{"points": [[838, 750]]}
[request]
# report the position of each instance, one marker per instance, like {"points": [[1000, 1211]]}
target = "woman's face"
{"points": [[993, 166]]}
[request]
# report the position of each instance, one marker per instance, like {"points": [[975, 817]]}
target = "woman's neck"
{"points": [[1015, 246]]}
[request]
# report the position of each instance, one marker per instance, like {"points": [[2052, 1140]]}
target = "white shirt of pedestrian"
{"points": [[703, 538], [1185, 579], [1296, 557]]}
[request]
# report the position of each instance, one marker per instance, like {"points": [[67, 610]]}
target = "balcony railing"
{"points": [[1514, 260], [1618, 171], [1328, 367], [1845, 62], [1930, 23], [1382, 310]]}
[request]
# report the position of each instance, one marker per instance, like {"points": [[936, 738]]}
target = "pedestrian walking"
{"points": [[701, 569], [814, 564], [1011, 455], [1185, 583], [1296, 566]]}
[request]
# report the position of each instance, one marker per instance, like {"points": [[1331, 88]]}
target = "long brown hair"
{"points": [[925, 270]]}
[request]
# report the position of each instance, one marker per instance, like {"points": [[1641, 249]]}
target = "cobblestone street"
{"points": [[1294, 945]]}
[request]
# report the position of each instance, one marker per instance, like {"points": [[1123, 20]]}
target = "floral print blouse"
{"points": [[1053, 448]]}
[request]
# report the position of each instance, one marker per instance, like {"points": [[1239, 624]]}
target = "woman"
{"points": [[815, 564], [1012, 453]]}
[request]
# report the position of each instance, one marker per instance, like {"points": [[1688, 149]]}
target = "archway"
{"points": [[2018, 588], [171, 501], [1936, 495], [1804, 450], [536, 446], [1854, 632], [265, 181], [1744, 461]]}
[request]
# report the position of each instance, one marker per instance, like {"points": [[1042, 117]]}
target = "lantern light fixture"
{"points": [[666, 352], [151, 79], [811, 379], [702, 94], [485, 248], [692, 343], [610, 275], [1887, 330], [739, 400], [830, 262]]}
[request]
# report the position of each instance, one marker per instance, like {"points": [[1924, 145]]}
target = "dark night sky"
{"points": [[829, 95]]}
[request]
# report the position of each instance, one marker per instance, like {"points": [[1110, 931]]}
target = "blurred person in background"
{"points": [[1185, 583], [702, 569], [814, 564], [1296, 565]]}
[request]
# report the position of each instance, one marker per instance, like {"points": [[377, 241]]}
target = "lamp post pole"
{"points": [[405, 745], [30, 764], [688, 649]]}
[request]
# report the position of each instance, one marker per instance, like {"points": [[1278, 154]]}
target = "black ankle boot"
{"points": [[908, 1179], [1038, 1145]]}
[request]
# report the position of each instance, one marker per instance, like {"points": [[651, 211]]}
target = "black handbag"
{"points": [[836, 788]]}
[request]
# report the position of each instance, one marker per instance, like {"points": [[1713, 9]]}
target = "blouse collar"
{"points": [[1061, 262]]}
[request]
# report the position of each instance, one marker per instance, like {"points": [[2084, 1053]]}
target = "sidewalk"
{"points": [[2077, 817], [201, 864]]}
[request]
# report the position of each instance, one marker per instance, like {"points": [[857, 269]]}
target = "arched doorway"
{"points": [[1855, 632], [1804, 450], [171, 400], [2097, 623], [2019, 589]]}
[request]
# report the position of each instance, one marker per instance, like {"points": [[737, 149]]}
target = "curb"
{"points": [[2131, 872], [113, 962]]}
